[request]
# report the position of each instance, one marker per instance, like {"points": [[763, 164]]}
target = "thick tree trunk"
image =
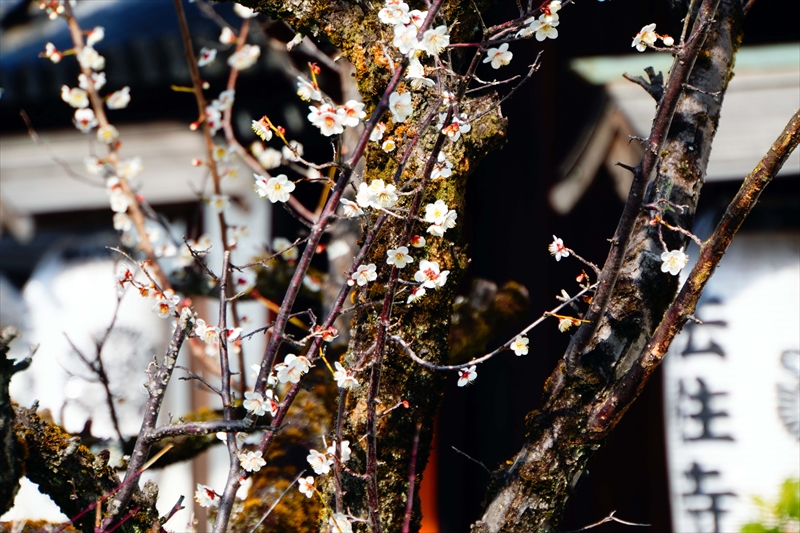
{"points": [[356, 30], [531, 494]]}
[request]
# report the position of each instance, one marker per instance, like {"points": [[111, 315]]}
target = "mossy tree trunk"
{"points": [[357, 32]]}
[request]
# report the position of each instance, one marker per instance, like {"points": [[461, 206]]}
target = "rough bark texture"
{"points": [[73, 476], [355, 29], [530, 494], [11, 456]]}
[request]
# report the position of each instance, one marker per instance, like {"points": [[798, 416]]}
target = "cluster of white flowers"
{"points": [[166, 304], [406, 24], [292, 368], [245, 58], [545, 25], [215, 109], [441, 218], [647, 37], [260, 405], [206, 332], [344, 377], [276, 189], [377, 195], [498, 57], [429, 276], [331, 120], [454, 130]]}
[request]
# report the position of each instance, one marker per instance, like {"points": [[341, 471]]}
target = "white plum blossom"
{"points": [[213, 118], [544, 27], [434, 40], [207, 55], [122, 222], [394, 13], [85, 120], [219, 202], [417, 17], [363, 275], [344, 451], [520, 345], [405, 38], [225, 100], [306, 486], [499, 57], [647, 36], [416, 294], [667, 40], [293, 152], [418, 241], [245, 58], [90, 59], [165, 305], [206, 497], [94, 166], [674, 261], [344, 378], [399, 257], [353, 113], [52, 53], [269, 157], [416, 73], [441, 218], [400, 106], [244, 12], [435, 212], [327, 119], [340, 523], [130, 168], [351, 209], [119, 200], [376, 195], [276, 189], [307, 91], [207, 333], [227, 36], [97, 78], [429, 275], [319, 462], [261, 129], [292, 368], [220, 153], [283, 246], [251, 461], [443, 168], [119, 99], [261, 405], [467, 376], [564, 324], [557, 248], [458, 126], [377, 132], [388, 145], [107, 134], [75, 97]]}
